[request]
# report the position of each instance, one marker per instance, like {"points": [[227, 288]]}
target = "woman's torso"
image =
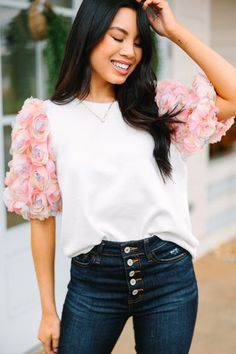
{"points": [[110, 184]]}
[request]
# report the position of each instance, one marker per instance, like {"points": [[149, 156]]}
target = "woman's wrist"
{"points": [[49, 309], [49, 312], [180, 35]]}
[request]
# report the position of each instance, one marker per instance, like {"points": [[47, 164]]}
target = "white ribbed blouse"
{"points": [[110, 184]]}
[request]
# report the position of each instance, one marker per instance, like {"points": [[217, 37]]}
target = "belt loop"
{"points": [[98, 253], [147, 249]]}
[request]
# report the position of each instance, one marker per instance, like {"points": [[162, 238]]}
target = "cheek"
{"points": [[101, 54], [96, 59], [98, 53], [138, 58]]}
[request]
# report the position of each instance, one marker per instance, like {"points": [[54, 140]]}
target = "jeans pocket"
{"points": [[84, 259], [168, 252]]}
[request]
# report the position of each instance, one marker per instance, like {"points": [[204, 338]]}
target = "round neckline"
{"points": [[94, 102]]}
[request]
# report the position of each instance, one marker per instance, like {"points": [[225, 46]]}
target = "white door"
{"points": [[22, 74]]}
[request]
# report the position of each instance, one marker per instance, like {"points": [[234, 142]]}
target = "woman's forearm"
{"points": [[219, 71], [43, 252]]}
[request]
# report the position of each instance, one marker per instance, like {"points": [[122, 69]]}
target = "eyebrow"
{"points": [[122, 30]]}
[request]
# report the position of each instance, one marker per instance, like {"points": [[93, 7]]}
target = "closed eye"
{"points": [[121, 40], [117, 39]]}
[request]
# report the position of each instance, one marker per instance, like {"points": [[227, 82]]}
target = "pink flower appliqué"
{"points": [[171, 96], [199, 114], [32, 188], [39, 127]]}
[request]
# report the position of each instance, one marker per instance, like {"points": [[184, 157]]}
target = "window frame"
{"points": [[8, 120]]}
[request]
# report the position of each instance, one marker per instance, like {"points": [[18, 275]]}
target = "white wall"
{"points": [[221, 184], [223, 28], [195, 16]]}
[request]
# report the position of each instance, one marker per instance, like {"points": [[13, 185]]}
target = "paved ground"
{"points": [[215, 331], [216, 324]]}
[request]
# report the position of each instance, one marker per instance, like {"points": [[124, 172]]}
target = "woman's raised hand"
{"points": [[160, 17]]}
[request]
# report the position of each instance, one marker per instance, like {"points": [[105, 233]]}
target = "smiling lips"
{"points": [[122, 68]]}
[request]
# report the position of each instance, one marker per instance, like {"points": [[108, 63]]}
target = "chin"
{"points": [[118, 81]]}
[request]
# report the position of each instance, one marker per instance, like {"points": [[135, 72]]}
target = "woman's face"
{"points": [[119, 52]]}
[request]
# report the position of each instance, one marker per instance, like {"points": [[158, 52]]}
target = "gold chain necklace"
{"points": [[102, 119]]}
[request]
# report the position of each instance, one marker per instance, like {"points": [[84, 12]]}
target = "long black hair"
{"points": [[136, 95]]}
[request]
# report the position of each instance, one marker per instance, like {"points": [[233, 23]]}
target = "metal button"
{"points": [[131, 273], [135, 291], [127, 249], [133, 281], [130, 262]]}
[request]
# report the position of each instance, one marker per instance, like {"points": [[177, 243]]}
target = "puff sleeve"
{"points": [[199, 113], [32, 189]]}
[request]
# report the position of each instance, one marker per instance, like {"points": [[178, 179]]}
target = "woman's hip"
{"points": [[134, 271]]}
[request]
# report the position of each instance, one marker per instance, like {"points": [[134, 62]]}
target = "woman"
{"points": [[108, 149]]}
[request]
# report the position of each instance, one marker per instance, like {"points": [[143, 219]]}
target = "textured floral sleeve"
{"points": [[199, 113], [32, 188]]}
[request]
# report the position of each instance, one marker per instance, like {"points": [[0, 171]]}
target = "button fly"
{"points": [[131, 273], [127, 249], [135, 292], [130, 262], [133, 281]]}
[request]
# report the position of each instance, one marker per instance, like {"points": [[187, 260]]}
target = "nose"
{"points": [[128, 50]]}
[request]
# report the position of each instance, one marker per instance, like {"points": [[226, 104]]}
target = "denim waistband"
{"points": [[116, 247]]}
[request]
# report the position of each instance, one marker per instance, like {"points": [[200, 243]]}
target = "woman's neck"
{"points": [[100, 91]]}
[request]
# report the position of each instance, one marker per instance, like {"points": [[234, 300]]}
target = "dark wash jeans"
{"points": [[151, 280]]}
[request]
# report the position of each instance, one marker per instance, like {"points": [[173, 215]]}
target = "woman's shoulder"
{"points": [[31, 109], [31, 131], [34, 103], [30, 105], [36, 113], [31, 122], [59, 113]]}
